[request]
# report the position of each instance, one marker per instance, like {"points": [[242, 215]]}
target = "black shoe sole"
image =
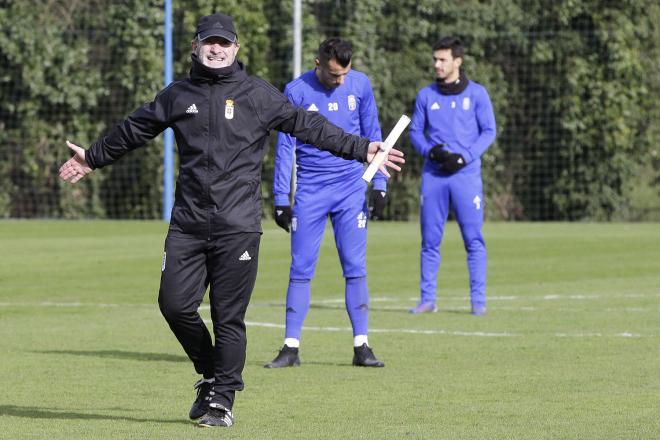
{"points": [[381, 365]]}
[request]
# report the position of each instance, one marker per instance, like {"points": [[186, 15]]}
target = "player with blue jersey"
{"points": [[452, 126], [328, 186]]}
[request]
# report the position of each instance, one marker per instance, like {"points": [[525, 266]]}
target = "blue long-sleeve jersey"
{"points": [[465, 123], [350, 106]]}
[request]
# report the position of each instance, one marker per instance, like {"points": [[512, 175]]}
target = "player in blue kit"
{"points": [[328, 186], [452, 126]]}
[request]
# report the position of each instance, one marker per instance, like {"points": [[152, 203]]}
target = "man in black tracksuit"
{"points": [[221, 118]]}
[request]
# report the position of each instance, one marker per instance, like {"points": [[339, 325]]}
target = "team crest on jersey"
{"points": [[229, 109], [466, 103], [453, 104], [352, 103]]}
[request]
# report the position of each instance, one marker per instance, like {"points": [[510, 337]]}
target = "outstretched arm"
{"points": [[75, 168], [139, 127]]}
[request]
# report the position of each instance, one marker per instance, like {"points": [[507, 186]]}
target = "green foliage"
{"points": [[61, 88], [602, 107], [136, 46], [42, 82], [574, 85]]}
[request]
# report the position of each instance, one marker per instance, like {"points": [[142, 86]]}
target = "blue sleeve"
{"points": [[418, 127], [284, 153], [370, 128], [286, 145], [487, 128]]}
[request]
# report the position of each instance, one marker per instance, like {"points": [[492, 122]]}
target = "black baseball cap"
{"points": [[216, 25]]}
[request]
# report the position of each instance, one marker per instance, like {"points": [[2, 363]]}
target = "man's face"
{"points": [[331, 74], [446, 66], [215, 52]]}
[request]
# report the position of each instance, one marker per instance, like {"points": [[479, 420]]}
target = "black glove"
{"points": [[451, 162], [438, 154], [282, 216], [377, 203]]}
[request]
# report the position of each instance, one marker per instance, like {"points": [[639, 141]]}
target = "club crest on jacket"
{"points": [[229, 109]]}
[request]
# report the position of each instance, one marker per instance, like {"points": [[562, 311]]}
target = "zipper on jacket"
{"points": [[208, 160]]}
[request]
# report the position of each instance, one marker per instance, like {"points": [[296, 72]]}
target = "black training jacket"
{"points": [[221, 119]]}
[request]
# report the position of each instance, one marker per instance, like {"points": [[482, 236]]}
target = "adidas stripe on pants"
{"points": [[228, 265]]}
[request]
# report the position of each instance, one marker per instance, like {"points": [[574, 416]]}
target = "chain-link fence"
{"points": [[574, 93]]}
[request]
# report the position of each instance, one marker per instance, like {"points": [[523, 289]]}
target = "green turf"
{"points": [[570, 348]]}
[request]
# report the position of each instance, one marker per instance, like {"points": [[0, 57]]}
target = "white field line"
{"points": [[382, 299], [72, 304], [377, 330], [440, 331], [407, 304], [75, 304], [554, 297], [403, 307]]}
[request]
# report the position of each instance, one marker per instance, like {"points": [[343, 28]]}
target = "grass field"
{"points": [[570, 348]]}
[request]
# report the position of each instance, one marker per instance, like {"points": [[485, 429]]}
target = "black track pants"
{"points": [[227, 264]]}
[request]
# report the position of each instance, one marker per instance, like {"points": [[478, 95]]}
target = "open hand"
{"points": [[75, 168], [393, 157]]}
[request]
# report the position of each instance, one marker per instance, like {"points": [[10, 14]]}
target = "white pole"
{"points": [[168, 154], [297, 38], [388, 143]]}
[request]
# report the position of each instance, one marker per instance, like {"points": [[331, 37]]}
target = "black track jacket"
{"points": [[221, 120]]}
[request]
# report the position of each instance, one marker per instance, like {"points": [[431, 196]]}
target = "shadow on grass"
{"points": [[118, 354], [34, 412], [324, 364]]}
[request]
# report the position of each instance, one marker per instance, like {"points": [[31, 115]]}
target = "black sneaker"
{"points": [[287, 357], [201, 404], [217, 415], [364, 357]]}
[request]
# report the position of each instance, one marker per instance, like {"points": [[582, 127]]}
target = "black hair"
{"points": [[336, 49], [452, 43]]}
